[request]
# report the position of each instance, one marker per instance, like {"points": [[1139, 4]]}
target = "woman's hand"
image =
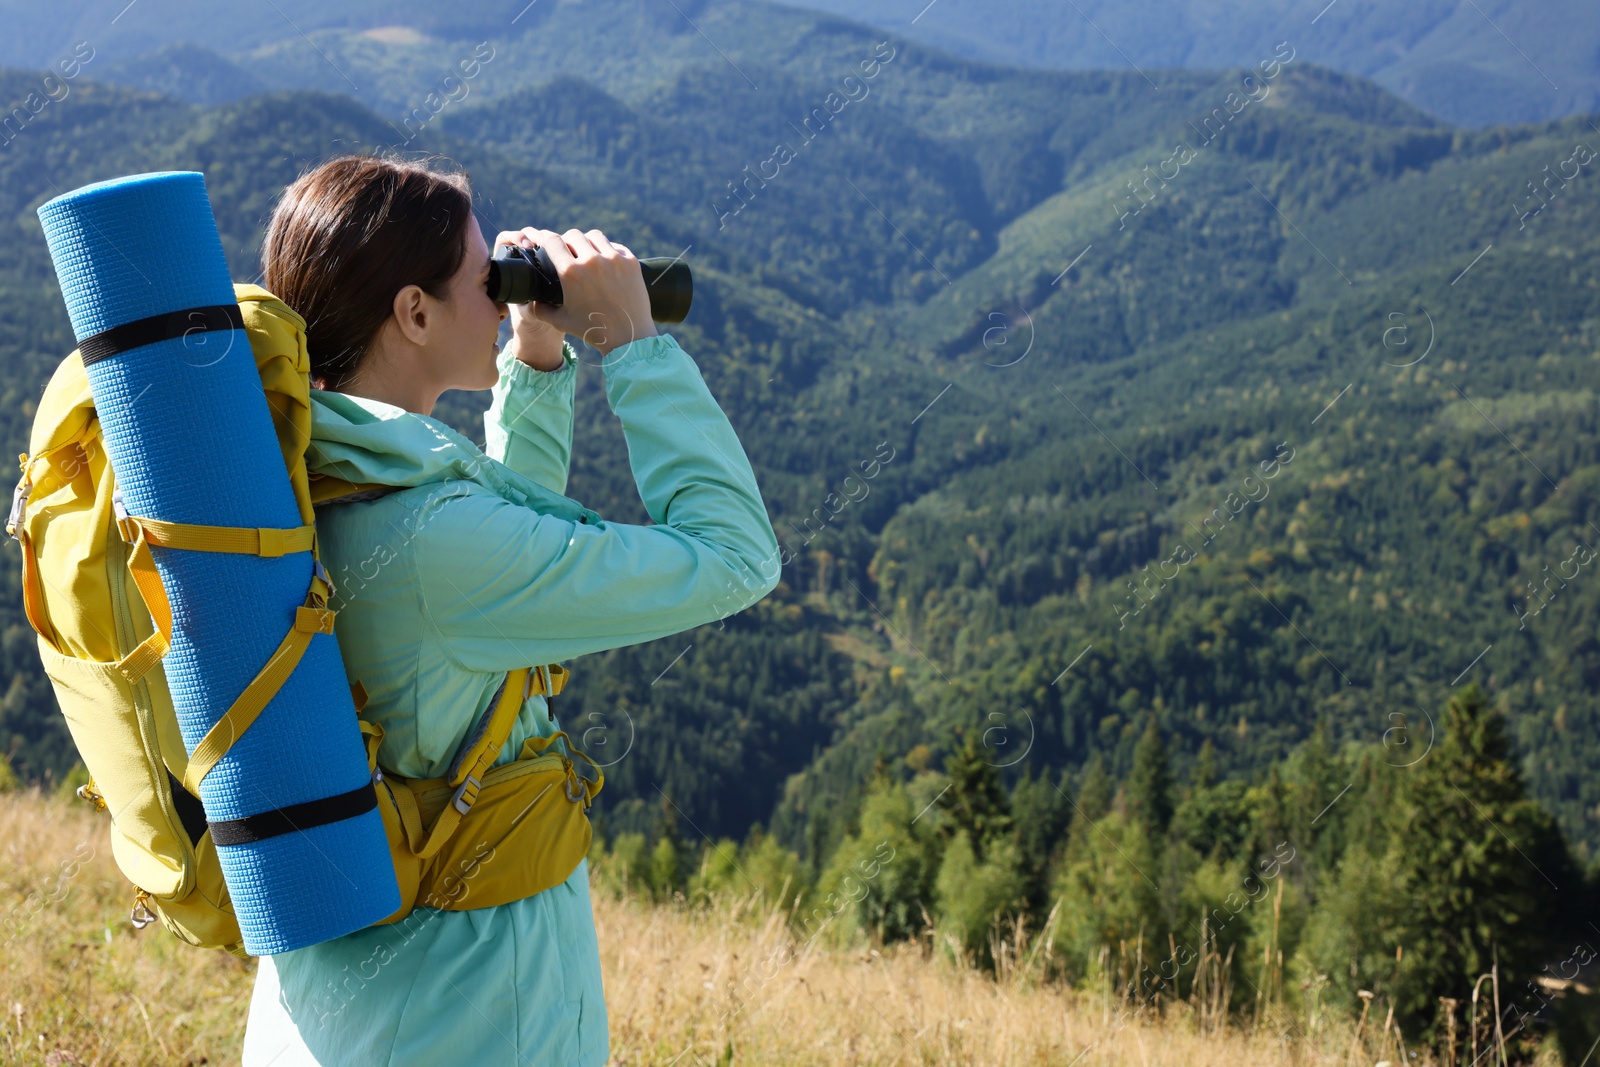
{"points": [[604, 300], [533, 341]]}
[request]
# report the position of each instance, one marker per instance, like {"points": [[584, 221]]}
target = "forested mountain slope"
{"points": [[1001, 343]]}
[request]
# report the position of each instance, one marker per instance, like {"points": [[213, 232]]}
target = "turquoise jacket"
{"points": [[478, 566]]}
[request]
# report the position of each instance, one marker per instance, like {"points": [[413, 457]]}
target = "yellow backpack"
{"points": [[475, 838]]}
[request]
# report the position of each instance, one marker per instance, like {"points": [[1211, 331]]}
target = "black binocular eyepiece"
{"points": [[524, 275]]}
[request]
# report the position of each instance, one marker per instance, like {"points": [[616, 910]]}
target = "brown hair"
{"points": [[350, 234]]}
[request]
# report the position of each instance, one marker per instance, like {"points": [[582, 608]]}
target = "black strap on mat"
{"points": [[304, 816], [165, 327]]}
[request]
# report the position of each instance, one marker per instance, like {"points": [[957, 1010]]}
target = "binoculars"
{"points": [[524, 275]]}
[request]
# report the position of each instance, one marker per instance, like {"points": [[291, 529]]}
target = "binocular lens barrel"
{"points": [[524, 275]]}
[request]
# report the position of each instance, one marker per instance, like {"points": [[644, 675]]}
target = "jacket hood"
{"points": [[368, 442], [358, 446]]}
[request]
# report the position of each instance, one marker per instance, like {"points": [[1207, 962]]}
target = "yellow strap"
{"points": [[359, 696], [310, 619], [443, 827], [405, 806], [321, 590], [308, 622], [481, 756], [549, 680], [591, 786], [140, 661], [261, 541], [33, 591], [141, 564], [425, 842], [468, 778]]}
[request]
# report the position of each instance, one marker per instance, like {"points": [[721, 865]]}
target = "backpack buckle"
{"points": [[141, 915], [19, 500], [466, 795], [92, 795], [319, 571]]}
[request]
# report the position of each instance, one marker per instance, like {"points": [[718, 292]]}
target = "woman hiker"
{"points": [[450, 581]]}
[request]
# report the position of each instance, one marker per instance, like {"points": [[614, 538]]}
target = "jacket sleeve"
{"points": [[503, 586], [528, 426]]}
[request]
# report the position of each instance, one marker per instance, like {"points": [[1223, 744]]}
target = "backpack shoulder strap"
{"points": [[472, 762], [328, 489], [483, 745]]}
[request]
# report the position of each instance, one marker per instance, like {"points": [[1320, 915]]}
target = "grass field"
{"points": [[712, 985]]}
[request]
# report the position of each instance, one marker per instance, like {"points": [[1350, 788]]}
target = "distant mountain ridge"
{"points": [[1471, 62], [185, 71]]}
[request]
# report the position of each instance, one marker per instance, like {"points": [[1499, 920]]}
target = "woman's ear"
{"points": [[411, 314]]}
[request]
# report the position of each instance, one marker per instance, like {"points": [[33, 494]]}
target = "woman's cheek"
{"points": [[491, 326], [483, 347], [493, 350]]}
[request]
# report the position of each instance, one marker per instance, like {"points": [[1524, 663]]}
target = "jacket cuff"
{"points": [[643, 350], [516, 372]]}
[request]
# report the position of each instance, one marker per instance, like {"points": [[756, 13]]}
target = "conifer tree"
{"points": [[1320, 783], [1149, 788], [1205, 767], [1094, 793], [880, 769], [1041, 814], [975, 800], [1482, 868], [879, 881], [1271, 804], [666, 865]]}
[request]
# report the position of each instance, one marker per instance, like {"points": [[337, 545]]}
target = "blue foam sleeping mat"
{"points": [[191, 440]]}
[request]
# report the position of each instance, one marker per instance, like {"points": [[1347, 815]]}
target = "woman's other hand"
{"points": [[604, 300], [533, 341]]}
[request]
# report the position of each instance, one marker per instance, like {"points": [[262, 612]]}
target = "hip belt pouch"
{"points": [[191, 440]]}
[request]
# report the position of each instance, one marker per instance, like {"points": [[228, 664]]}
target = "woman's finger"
{"points": [[598, 239], [582, 248], [553, 246], [552, 317], [624, 251]]}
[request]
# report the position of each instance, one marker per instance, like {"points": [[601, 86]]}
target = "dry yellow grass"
{"points": [[77, 982], [696, 985], [79, 986]]}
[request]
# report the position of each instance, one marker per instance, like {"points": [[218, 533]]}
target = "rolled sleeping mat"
{"points": [[191, 440]]}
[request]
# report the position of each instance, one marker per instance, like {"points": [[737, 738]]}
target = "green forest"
{"points": [[1326, 882], [1187, 495]]}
